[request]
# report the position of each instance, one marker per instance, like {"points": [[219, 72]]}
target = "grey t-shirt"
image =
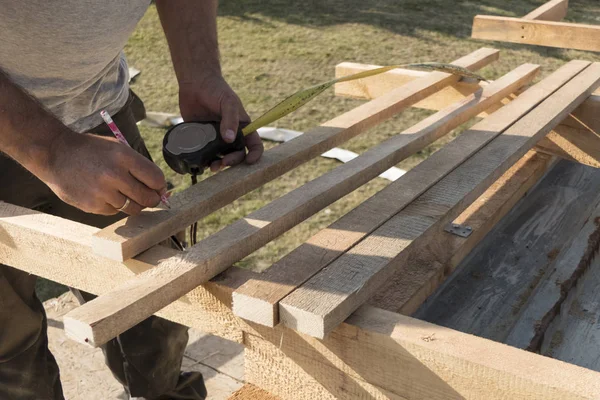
{"points": [[68, 53]]}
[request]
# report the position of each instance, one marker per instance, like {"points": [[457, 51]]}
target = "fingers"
{"points": [[255, 147], [230, 117], [146, 172], [118, 200], [138, 192], [233, 158]]}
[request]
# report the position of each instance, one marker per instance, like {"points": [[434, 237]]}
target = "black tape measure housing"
{"points": [[190, 147]]}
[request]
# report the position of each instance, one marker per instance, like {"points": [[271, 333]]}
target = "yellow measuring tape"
{"points": [[300, 98]]}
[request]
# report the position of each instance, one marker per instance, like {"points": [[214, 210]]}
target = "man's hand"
{"points": [[191, 30], [212, 99], [93, 173], [98, 174]]}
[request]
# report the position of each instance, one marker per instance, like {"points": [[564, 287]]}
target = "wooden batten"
{"points": [[332, 319], [113, 313], [329, 297], [541, 33], [135, 234], [258, 299], [577, 138]]}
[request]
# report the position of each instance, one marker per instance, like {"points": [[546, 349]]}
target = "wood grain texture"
{"points": [[377, 354], [481, 216], [251, 392], [58, 249], [258, 299], [490, 292], [133, 235], [541, 33], [333, 294], [112, 314], [581, 144], [554, 10]]}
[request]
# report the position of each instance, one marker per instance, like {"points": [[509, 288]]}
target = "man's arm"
{"points": [[191, 30], [92, 173]]}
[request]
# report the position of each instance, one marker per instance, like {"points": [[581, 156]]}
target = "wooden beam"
{"points": [[378, 85], [377, 354], [577, 138], [554, 10], [58, 249], [105, 317], [332, 295], [541, 33], [580, 145], [133, 235], [258, 299], [375, 86]]}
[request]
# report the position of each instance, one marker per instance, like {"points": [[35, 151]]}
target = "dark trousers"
{"points": [[146, 359]]}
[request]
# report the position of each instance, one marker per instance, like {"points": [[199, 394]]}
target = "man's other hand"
{"points": [[212, 99]]}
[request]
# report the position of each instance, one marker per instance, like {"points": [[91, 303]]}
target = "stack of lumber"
{"points": [[327, 318]]}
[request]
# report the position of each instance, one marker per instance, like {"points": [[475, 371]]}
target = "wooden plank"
{"points": [[58, 249], [258, 299], [332, 295], [581, 144], [541, 33], [492, 287], [376, 86], [577, 138], [377, 354], [132, 235], [481, 216], [551, 303], [554, 10], [107, 316]]}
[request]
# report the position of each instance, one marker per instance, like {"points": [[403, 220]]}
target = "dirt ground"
{"points": [[85, 377]]}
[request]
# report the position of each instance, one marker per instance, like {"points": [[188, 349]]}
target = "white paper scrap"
{"points": [[283, 135]]}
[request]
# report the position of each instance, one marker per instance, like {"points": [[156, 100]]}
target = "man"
{"points": [[60, 64]]}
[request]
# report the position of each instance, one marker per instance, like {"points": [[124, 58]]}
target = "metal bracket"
{"points": [[459, 230]]}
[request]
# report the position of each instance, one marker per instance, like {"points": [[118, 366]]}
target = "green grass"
{"points": [[271, 49]]}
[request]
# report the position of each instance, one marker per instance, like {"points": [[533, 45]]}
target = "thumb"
{"points": [[229, 118]]}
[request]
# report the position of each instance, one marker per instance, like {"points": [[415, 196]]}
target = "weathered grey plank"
{"points": [[544, 305], [574, 337], [489, 289]]}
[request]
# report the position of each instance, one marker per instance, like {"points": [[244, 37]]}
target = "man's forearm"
{"points": [[27, 131], [191, 30]]}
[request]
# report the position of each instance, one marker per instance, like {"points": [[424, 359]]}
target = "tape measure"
{"points": [[190, 147]]}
